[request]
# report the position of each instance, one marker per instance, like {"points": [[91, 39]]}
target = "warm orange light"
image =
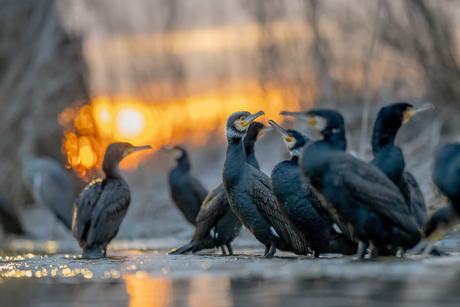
{"points": [[90, 129], [145, 291]]}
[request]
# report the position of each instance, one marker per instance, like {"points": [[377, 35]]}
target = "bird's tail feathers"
{"points": [[180, 250]]}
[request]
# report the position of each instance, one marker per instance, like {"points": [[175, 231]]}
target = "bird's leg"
{"points": [[267, 249], [362, 250], [316, 254], [224, 252], [402, 251], [374, 251], [272, 251], [230, 249]]}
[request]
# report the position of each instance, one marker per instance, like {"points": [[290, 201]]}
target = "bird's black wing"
{"points": [[365, 185], [83, 208], [318, 202], [109, 212], [212, 210], [417, 201], [260, 189], [198, 190]]}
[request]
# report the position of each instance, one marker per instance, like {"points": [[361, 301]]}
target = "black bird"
{"points": [[102, 205], [389, 158], [186, 191], [437, 226], [9, 218], [361, 195], [250, 195], [300, 205], [216, 224], [446, 173]]}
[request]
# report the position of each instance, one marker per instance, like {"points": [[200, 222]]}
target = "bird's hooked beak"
{"points": [[412, 111], [175, 152], [317, 122], [281, 131], [248, 120], [137, 148]]}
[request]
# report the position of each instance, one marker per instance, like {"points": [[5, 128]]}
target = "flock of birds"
{"points": [[322, 200]]}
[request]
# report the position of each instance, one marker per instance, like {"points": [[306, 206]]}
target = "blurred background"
{"points": [[78, 75]]}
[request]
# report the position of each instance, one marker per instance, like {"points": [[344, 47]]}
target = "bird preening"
{"points": [[322, 200]]}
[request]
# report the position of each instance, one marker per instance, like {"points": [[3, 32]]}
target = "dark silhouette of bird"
{"points": [[250, 195], [435, 229], [50, 186], [102, 205], [9, 218], [186, 191], [389, 158], [300, 205], [216, 224], [360, 194], [446, 173]]}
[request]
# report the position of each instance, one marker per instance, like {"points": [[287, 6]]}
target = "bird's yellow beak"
{"points": [[305, 117], [284, 134], [412, 111], [137, 148], [247, 121]]}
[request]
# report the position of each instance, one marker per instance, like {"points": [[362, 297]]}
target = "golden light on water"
{"points": [[145, 291], [90, 129]]}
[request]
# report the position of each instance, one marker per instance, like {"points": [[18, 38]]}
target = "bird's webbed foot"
{"points": [[271, 252]]}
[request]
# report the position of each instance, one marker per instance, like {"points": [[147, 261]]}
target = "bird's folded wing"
{"points": [[214, 207], [366, 185], [260, 189]]}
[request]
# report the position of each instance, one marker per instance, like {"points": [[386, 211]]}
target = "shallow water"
{"points": [[152, 278]]}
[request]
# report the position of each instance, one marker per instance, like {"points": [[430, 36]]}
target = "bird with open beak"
{"points": [[102, 205]]}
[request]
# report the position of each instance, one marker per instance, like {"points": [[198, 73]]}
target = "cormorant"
{"points": [[389, 158], [300, 205], [102, 205], [361, 195], [446, 173], [50, 186], [216, 224], [250, 195], [9, 218], [186, 191]]}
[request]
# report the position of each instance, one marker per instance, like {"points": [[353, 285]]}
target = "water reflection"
{"points": [[145, 291], [207, 289]]}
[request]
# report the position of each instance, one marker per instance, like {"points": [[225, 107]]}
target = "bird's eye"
{"points": [[243, 118]]}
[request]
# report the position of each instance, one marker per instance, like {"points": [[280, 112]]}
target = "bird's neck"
{"points": [[383, 136], [235, 152], [295, 159], [183, 163], [250, 154], [112, 169], [335, 141]]}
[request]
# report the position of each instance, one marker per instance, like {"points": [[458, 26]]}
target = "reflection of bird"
{"points": [[389, 158], [437, 226], [186, 191], [358, 192], [302, 208], [101, 207], [215, 213], [250, 195], [50, 186], [9, 218]]}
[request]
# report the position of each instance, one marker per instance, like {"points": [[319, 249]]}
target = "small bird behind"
{"points": [[101, 207], [186, 191], [50, 186], [216, 224]]}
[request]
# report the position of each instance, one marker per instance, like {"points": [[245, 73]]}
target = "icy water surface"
{"points": [[152, 278]]}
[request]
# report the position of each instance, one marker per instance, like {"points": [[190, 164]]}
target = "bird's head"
{"points": [[238, 123], [255, 131], [176, 152], [294, 140], [394, 115], [116, 152], [326, 121]]}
